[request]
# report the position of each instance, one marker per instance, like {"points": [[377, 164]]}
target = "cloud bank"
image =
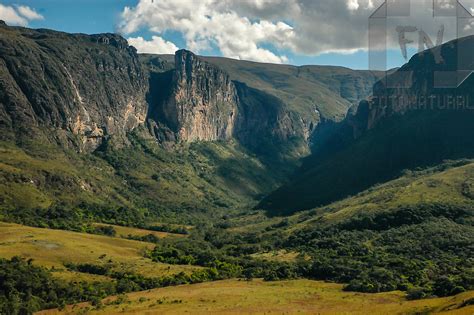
{"points": [[262, 30], [18, 15]]}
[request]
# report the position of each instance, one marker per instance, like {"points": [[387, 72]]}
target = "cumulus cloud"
{"points": [[211, 23], [263, 30], [29, 13], [18, 15], [156, 45]]}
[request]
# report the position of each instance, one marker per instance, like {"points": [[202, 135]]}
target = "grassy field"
{"points": [[53, 248], [281, 255], [296, 296], [125, 231]]}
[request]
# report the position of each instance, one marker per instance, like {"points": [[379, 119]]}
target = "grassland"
{"points": [[285, 297], [449, 184], [125, 231], [53, 248]]}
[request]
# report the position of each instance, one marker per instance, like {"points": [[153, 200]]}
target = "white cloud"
{"points": [[267, 30], [29, 13], [19, 15], [352, 5], [212, 23], [156, 45], [11, 16]]}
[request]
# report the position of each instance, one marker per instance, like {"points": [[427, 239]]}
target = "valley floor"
{"points": [[52, 248], [257, 296]]}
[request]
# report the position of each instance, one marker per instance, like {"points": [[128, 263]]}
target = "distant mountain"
{"points": [[407, 125]]}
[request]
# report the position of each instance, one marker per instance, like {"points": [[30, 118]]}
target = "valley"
{"points": [[179, 183]]}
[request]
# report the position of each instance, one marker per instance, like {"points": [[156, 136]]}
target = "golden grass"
{"points": [[123, 231], [259, 297], [52, 248], [280, 255]]}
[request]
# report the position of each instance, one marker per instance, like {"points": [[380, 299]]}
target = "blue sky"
{"points": [[297, 32]]}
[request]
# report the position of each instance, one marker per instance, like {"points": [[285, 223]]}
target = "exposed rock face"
{"points": [[202, 102], [77, 89], [81, 91], [264, 123], [411, 123], [197, 101]]}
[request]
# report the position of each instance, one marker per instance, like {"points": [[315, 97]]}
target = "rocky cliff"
{"points": [[437, 79], [75, 89], [82, 91], [196, 101]]}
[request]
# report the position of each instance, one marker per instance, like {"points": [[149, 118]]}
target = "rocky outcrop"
{"points": [[199, 102], [83, 91], [77, 90], [410, 123], [265, 125]]}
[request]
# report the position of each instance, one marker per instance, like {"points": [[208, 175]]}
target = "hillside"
{"points": [[411, 234], [383, 138]]}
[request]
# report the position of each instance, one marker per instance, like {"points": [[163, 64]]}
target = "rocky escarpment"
{"points": [[77, 90], [195, 101], [266, 125], [83, 91]]}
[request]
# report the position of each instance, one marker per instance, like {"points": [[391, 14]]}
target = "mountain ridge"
{"points": [[380, 140]]}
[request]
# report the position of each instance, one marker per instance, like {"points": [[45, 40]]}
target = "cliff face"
{"points": [[198, 103], [81, 91], [77, 89]]}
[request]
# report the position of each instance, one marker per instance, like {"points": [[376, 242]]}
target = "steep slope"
{"points": [[417, 126], [76, 90], [328, 90], [413, 233], [200, 103], [279, 106], [75, 144]]}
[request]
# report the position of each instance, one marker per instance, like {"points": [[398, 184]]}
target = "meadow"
{"points": [[53, 248], [257, 296]]}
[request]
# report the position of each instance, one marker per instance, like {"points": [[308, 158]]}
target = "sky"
{"points": [[299, 32]]}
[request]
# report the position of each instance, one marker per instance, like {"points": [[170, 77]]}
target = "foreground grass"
{"points": [[53, 248], [296, 296]]}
